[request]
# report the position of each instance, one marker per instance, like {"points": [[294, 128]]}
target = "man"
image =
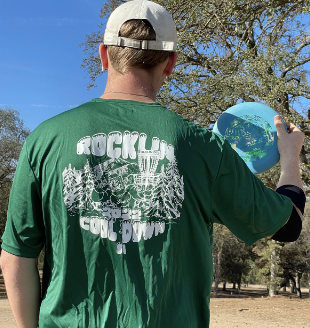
{"points": [[124, 193]]}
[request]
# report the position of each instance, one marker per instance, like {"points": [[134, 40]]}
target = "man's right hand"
{"points": [[289, 144]]}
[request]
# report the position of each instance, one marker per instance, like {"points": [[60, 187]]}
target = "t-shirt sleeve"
{"points": [[240, 200], [24, 230]]}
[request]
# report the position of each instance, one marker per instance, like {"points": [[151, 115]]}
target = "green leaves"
{"points": [[12, 136], [230, 52]]}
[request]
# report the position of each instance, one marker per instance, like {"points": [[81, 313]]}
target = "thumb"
{"points": [[279, 125]]}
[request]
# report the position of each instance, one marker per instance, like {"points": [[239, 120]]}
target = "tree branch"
{"points": [[296, 52]]}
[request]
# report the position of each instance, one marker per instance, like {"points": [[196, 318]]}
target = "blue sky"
{"points": [[40, 73]]}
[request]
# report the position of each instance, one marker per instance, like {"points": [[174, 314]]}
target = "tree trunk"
{"points": [[239, 287], [217, 266], [273, 272], [292, 285], [224, 286], [308, 267], [309, 282], [298, 290], [234, 285]]}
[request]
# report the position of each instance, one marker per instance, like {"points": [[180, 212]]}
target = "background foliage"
{"points": [[12, 136]]}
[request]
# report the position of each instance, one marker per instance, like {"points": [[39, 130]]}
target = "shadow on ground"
{"points": [[255, 292]]}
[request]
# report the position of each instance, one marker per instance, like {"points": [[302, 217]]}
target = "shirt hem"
{"points": [[273, 230], [17, 252]]}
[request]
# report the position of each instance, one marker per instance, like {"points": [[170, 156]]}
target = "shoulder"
{"points": [[60, 124], [193, 130]]}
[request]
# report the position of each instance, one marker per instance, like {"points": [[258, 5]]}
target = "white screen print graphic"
{"points": [[139, 196]]}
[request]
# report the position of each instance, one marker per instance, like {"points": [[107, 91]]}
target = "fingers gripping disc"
{"points": [[250, 129]]}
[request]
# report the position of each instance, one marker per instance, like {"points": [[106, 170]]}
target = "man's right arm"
{"points": [[290, 183]]}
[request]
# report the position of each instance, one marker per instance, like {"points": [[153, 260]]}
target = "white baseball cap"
{"points": [[156, 15]]}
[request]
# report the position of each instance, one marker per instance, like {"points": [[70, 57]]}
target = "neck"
{"points": [[133, 85], [127, 95]]}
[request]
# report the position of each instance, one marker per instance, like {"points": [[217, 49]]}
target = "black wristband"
{"points": [[296, 194], [291, 230]]}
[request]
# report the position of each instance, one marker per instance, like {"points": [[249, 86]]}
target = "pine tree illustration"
{"points": [[160, 195], [86, 190], [68, 181], [174, 191], [72, 185]]}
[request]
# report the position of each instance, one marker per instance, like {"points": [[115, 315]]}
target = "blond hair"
{"points": [[124, 58]]}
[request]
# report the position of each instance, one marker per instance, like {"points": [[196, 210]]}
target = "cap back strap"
{"points": [[140, 44]]}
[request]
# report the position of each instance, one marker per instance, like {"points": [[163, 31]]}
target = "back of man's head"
{"points": [[139, 34]]}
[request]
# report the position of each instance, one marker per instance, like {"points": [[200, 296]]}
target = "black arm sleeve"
{"points": [[291, 230]]}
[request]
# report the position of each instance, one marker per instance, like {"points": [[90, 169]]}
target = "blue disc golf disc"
{"points": [[250, 129]]}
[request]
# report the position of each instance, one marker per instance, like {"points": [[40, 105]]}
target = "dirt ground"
{"points": [[252, 308]]}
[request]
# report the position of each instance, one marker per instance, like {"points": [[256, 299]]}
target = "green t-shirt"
{"points": [[124, 195]]}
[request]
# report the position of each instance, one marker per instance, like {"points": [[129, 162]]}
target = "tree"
{"points": [[293, 264], [274, 263], [230, 52], [12, 136], [269, 271], [304, 241], [295, 257], [236, 259], [220, 232], [231, 258]]}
